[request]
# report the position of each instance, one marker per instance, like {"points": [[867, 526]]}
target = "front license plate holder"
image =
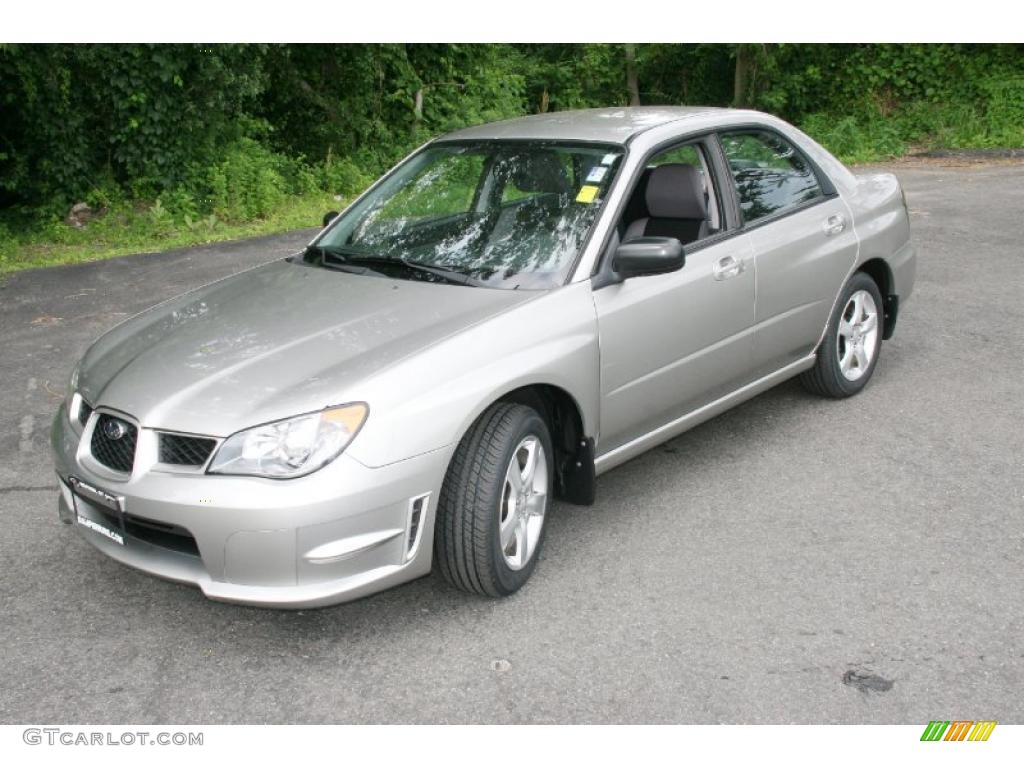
{"points": [[99, 511]]}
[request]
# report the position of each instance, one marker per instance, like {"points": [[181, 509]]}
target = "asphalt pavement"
{"points": [[793, 561]]}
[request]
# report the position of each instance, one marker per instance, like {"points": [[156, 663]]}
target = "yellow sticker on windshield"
{"points": [[587, 194]]}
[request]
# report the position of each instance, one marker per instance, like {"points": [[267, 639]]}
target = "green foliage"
{"points": [[139, 229], [856, 139], [248, 183], [1005, 109], [341, 176], [868, 102], [141, 115], [98, 121], [192, 140]]}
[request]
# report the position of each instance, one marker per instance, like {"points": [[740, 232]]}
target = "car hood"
{"points": [[273, 342]]}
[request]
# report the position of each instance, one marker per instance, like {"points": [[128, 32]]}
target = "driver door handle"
{"points": [[726, 267], [834, 224]]}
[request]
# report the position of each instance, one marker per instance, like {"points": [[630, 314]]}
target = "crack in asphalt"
{"points": [[28, 488]]}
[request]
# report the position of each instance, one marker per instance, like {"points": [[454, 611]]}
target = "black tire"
{"points": [[466, 537], [826, 377]]}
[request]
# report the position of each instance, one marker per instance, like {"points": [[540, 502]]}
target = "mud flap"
{"points": [[578, 477], [890, 308]]}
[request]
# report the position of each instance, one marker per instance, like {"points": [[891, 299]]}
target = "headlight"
{"points": [[291, 447], [75, 409], [73, 400]]}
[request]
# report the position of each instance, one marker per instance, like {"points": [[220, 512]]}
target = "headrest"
{"points": [[676, 191], [540, 172]]}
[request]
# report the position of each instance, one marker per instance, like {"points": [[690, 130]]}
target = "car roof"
{"points": [[608, 124]]}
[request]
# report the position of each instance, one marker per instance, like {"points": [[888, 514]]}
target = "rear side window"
{"points": [[770, 175]]}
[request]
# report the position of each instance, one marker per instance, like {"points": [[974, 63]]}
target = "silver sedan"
{"points": [[513, 310]]}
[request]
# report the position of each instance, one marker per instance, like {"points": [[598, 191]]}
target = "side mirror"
{"points": [[329, 217], [648, 256]]}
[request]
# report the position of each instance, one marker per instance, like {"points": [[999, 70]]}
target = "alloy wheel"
{"points": [[523, 502], [857, 341]]}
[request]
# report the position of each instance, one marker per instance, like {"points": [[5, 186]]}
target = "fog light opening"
{"points": [[414, 527]]}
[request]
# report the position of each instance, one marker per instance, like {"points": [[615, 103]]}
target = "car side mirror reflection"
{"points": [[329, 217], [648, 256]]}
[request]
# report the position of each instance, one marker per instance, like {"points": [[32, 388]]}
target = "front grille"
{"points": [[84, 412], [116, 453], [185, 450]]}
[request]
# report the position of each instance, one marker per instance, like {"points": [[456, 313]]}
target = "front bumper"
{"points": [[338, 534]]}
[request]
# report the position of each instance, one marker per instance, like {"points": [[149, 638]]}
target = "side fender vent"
{"points": [[414, 527]]}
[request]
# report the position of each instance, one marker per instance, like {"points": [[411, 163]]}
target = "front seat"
{"points": [[542, 177], [676, 205], [540, 173]]}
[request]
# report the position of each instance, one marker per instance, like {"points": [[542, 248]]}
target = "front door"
{"points": [[672, 343]]}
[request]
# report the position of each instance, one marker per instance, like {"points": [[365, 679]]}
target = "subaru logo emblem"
{"points": [[114, 430]]}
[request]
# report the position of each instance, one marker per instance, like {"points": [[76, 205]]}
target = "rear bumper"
{"points": [[904, 271], [335, 535]]}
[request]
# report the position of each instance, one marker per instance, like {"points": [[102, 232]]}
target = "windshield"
{"points": [[499, 214]]}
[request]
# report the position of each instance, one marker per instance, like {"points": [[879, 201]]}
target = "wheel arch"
{"points": [[574, 448]]}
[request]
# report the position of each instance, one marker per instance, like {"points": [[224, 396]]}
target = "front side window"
{"points": [[770, 175], [675, 196], [688, 154], [498, 214]]}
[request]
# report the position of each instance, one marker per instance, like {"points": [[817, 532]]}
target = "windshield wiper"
{"points": [[339, 258], [326, 252], [331, 258], [447, 274]]}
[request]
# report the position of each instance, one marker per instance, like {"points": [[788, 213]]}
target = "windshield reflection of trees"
{"points": [[528, 236]]}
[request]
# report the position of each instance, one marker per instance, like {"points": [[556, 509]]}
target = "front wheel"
{"points": [[849, 351], [494, 502]]}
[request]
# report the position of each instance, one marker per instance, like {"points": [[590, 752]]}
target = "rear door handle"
{"points": [[726, 267], [834, 224]]}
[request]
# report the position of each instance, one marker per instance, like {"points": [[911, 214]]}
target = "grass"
{"points": [[145, 229], [868, 136]]}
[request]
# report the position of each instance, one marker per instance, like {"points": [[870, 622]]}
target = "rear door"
{"points": [[803, 240]]}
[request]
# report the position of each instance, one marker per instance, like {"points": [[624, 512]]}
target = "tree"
{"points": [[741, 76], [632, 84]]}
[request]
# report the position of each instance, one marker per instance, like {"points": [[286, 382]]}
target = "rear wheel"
{"points": [[849, 351], [494, 502]]}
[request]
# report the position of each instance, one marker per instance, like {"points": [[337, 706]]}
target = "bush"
{"points": [[856, 139], [248, 184], [1005, 110], [343, 177]]}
